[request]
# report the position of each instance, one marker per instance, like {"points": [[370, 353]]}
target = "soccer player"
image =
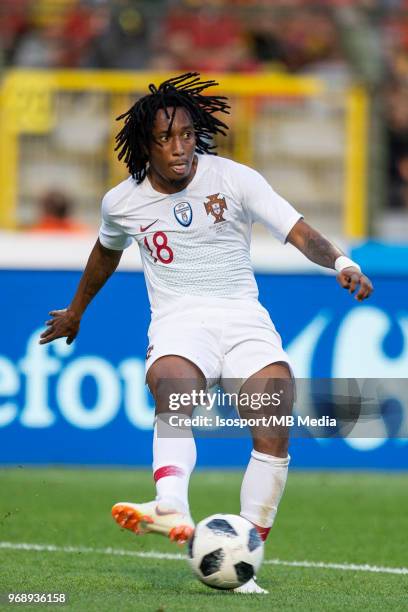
{"points": [[191, 214]]}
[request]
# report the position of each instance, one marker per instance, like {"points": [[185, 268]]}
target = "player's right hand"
{"points": [[64, 324]]}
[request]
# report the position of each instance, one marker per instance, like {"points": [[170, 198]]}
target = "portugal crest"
{"points": [[215, 206], [183, 213]]}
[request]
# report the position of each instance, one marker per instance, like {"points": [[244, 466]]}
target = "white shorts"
{"points": [[225, 339]]}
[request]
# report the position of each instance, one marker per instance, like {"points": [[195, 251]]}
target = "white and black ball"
{"points": [[226, 551]]}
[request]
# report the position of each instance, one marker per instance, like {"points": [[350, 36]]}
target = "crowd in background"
{"points": [[164, 34], [333, 38], [221, 35]]}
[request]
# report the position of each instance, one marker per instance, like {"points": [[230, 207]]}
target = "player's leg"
{"points": [[265, 477], [174, 454], [174, 450]]}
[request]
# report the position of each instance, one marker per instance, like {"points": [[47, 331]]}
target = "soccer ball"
{"points": [[225, 551]]}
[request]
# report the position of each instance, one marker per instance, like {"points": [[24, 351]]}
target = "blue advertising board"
{"points": [[87, 403]]}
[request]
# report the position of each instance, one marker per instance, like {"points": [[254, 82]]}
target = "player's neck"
{"points": [[163, 185]]}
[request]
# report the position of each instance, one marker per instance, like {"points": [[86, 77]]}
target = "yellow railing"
{"points": [[27, 108], [355, 192]]}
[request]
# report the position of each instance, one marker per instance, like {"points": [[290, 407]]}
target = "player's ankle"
{"points": [[263, 531], [172, 503]]}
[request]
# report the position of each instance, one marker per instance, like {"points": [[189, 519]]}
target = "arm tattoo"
{"points": [[318, 249]]}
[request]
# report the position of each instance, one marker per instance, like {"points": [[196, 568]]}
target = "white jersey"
{"points": [[197, 241]]}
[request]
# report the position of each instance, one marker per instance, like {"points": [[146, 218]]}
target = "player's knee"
{"points": [[164, 391], [276, 447], [172, 377], [162, 377]]}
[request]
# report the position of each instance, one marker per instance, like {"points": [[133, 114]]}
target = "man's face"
{"points": [[171, 155]]}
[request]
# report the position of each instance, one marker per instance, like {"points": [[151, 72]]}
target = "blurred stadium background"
{"points": [[319, 94]]}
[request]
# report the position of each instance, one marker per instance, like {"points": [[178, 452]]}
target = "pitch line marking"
{"points": [[340, 566], [151, 554]]}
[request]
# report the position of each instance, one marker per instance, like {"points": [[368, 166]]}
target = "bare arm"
{"points": [[101, 264], [313, 245], [324, 253]]}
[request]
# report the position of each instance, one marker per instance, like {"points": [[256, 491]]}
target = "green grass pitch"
{"points": [[333, 518]]}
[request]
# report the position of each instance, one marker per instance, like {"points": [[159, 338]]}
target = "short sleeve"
{"points": [[265, 206], [111, 233]]}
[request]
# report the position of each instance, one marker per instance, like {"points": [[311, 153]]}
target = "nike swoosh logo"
{"points": [[143, 229]]}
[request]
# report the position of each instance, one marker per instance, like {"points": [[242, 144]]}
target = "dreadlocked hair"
{"points": [[186, 91]]}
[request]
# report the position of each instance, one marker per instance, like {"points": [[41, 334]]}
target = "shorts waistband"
{"points": [[194, 303]]}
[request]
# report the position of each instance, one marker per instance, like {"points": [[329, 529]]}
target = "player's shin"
{"points": [[262, 488], [174, 457]]}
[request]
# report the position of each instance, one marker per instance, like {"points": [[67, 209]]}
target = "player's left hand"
{"points": [[350, 278]]}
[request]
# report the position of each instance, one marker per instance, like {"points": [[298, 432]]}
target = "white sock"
{"points": [[174, 457], [262, 488]]}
